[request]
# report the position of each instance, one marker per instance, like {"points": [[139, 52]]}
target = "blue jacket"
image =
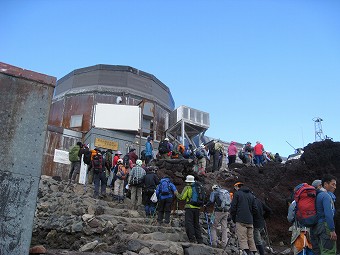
{"points": [[172, 187], [325, 209], [148, 149]]}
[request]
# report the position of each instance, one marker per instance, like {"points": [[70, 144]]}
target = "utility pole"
{"points": [[318, 129]]}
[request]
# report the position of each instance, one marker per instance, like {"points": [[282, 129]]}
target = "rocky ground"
{"points": [[69, 221]]}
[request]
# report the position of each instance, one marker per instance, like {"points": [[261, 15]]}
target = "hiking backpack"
{"points": [[121, 172], [126, 161], [223, 200], [97, 163], [142, 155], [305, 211], [164, 187], [199, 154], [87, 156], [73, 153], [163, 147], [198, 194]]}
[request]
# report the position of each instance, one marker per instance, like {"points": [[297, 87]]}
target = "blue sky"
{"points": [[263, 69]]}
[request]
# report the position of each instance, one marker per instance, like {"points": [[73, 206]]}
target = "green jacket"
{"points": [[186, 195]]}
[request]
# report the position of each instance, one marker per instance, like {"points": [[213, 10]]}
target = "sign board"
{"points": [[61, 157], [83, 171], [122, 117], [105, 144]]}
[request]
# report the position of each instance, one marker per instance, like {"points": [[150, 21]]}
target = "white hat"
{"points": [[139, 162], [190, 178], [166, 139], [215, 186]]}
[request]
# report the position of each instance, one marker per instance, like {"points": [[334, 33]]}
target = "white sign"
{"points": [[83, 171], [61, 157], [128, 117]]}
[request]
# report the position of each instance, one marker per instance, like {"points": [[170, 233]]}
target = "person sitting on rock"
{"points": [[165, 193], [192, 213], [150, 183]]}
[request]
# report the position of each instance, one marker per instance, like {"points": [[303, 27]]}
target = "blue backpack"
{"points": [[198, 194], [165, 188]]}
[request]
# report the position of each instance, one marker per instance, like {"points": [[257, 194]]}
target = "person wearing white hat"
{"points": [[192, 226]]}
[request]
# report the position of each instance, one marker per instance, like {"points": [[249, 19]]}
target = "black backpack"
{"points": [[198, 194], [163, 147], [142, 155], [87, 156], [126, 161]]}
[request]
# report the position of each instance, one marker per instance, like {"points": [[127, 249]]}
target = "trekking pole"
{"points": [[267, 237], [208, 224]]}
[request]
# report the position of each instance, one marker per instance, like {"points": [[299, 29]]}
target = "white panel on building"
{"points": [[117, 117]]}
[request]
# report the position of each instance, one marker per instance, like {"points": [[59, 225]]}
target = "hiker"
{"points": [[220, 198], [150, 183], [74, 157], [164, 149], [108, 159], [217, 156], [277, 158], [201, 155], [323, 233], [136, 182], [121, 175], [165, 193], [192, 213], [258, 154], [133, 156], [148, 150], [243, 208], [300, 239], [232, 152], [117, 156], [99, 174], [248, 154], [259, 224]]}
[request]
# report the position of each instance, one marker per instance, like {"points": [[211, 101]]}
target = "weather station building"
{"points": [[107, 106]]}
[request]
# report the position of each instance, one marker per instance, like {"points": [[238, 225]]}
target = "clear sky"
{"points": [[262, 69]]}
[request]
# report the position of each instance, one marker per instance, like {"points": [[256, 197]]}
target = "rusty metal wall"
{"points": [[25, 99]]}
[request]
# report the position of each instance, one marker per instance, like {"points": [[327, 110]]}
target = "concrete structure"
{"points": [[76, 94], [25, 98]]}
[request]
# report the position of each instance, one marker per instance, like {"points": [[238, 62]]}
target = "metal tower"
{"points": [[318, 129]]}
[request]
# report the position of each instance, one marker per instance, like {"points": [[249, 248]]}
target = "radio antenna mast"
{"points": [[318, 129]]}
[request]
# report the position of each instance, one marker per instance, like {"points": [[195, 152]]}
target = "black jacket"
{"points": [[243, 206], [263, 212], [150, 181]]}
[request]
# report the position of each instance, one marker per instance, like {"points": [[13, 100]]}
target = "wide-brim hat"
{"points": [[190, 178]]}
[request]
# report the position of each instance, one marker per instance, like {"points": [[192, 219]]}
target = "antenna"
{"points": [[318, 129]]}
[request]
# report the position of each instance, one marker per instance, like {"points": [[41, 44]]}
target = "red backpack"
{"points": [[305, 212]]}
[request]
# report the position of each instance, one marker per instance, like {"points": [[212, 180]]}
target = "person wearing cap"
{"points": [[164, 149], [192, 213], [218, 156], [148, 150], [136, 182], [242, 210], [220, 218], [323, 233], [165, 200], [117, 156], [121, 173], [232, 152]]}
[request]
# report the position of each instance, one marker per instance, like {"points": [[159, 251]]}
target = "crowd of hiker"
{"points": [[311, 207]]}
